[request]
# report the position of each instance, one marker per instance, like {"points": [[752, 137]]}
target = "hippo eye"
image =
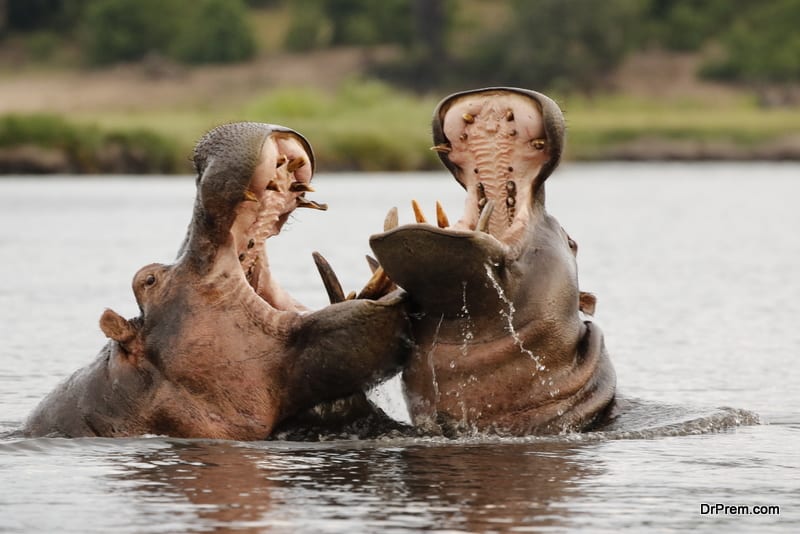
{"points": [[150, 280]]}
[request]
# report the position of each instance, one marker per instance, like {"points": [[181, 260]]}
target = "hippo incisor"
{"points": [[501, 344], [219, 350]]}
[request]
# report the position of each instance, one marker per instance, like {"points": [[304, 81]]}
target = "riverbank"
{"points": [[145, 117]]}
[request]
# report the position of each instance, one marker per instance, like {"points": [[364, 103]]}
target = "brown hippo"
{"points": [[502, 345], [219, 350]]}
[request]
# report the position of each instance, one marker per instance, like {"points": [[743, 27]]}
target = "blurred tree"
{"points": [[762, 47], [214, 31], [191, 31], [323, 23], [557, 44], [687, 25], [28, 15], [125, 30]]}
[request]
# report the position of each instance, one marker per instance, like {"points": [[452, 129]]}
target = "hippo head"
{"points": [[500, 144], [219, 349], [500, 341]]}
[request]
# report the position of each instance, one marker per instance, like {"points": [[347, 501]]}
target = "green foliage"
{"points": [[190, 31], [322, 23], [762, 47], [561, 44], [687, 25], [125, 30], [215, 31], [89, 149], [309, 29]]}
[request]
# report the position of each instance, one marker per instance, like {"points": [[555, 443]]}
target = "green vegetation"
{"points": [[369, 126], [420, 50], [88, 149]]}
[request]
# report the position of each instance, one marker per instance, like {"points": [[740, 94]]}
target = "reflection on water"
{"points": [[461, 486], [695, 270]]}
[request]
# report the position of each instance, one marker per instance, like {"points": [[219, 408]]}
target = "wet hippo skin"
{"points": [[503, 341], [219, 349]]}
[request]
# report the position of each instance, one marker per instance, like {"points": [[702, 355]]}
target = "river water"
{"points": [[696, 272]]}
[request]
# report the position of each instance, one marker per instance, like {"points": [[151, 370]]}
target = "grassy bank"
{"points": [[369, 126]]}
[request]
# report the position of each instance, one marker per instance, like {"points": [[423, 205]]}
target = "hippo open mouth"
{"points": [[259, 200], [501, 144]]}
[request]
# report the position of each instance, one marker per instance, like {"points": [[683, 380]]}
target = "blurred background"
{"points": [[128, 86]]}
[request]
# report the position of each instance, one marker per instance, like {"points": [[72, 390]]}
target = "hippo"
{"points": [[503, 340], [219, 349]]}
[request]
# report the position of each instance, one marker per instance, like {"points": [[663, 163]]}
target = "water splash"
{"points": [[429, 357], [466, 324], [508, 315]]}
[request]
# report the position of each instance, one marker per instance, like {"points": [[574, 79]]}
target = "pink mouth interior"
{"points": [[497, 141]]}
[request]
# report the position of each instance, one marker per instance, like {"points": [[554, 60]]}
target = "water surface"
{"points": [[695, 270]]}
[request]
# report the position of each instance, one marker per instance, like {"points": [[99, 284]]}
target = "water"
{"points": [[695, 269]]}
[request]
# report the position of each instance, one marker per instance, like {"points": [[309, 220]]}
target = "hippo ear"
{"points": [[116, 327]]}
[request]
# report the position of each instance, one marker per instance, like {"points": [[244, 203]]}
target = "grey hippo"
{"points": [[219, 349], [503, 339]]}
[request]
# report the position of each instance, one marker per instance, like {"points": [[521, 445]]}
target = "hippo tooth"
{"points": [[272, 186], [443, 148], [468, 118], [351, 296], [509, 115], [305, 203], [418, 215], [329, 279], [441, 216], [377, 286], [391, 221], [282, 160], [539, 143], [373, 263], [587, 302], [250, 196], [483, 220], [301, 186], [295, 164]]}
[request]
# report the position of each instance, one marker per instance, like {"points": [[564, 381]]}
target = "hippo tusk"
{"points": [[391, 221], [250, 196], [418, 215], [483, 220], [377, 286], [587, 302], [295, 164], [442, 148], [441, 216], [305, 203], [301, 187], [373, 263], [329, 279]]}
